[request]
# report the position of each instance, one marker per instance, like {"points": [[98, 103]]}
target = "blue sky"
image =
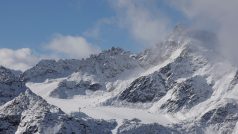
{"points": [[29, 24]]}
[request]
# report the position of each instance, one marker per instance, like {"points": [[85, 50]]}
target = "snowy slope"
{"points": [[29, 113], [91, 105]]}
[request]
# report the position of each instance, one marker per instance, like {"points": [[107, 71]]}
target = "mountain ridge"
{"points": [[183, 80]]}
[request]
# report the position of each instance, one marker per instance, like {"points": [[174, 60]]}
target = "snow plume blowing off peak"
{"points": [[149, 24], [218, 16]]}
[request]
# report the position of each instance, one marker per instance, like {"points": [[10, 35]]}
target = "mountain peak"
{"points": [[111, 52], [115, 50]]}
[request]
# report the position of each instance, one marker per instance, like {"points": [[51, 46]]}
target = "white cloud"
{"points": [[144, 21], [71, 46], [20, 59], [96, 31]]}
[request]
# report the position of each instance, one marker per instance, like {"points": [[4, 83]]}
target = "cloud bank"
{"points": [[20, 59]]}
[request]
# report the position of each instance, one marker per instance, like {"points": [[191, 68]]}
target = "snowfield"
{"points": [[90, 105]]}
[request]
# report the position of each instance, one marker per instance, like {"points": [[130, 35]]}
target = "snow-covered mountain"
{"points": [[29, 113], [10, 85], [49, 69], [181, 85], [97, 73]]}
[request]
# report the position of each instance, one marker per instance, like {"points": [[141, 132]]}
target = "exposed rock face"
{"points": [[222, 119], [185, 65], [188, 94], [135, 126], [146, 89], [68, 89], [97, 126], [9, 124], [234, 81], [6, 75], [10, 85]]}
